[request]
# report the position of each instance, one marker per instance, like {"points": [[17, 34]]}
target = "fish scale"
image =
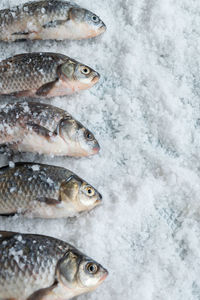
{"points": [[44, 129], [32, 260], [39, 11], [43, 191], [39, 113], [49, 20], [44, 74], [22, 73], [40, 267], [29, 190], [48, 118]]}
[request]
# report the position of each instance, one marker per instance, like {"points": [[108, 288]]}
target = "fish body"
{"points": [[44, 75], [38, 190], [49, 19], [44, 129], [37, 267]]}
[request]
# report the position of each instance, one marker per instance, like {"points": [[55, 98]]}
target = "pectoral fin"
{"points": [[46, 89], [55, 23], [26, 93], [49, 201], [40, 130], [22, 36], [43, 294]]}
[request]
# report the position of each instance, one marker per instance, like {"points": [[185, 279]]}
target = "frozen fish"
{"points": [[49, 19], [37, 190], [44, 75], [44, 129], [37, 267]]}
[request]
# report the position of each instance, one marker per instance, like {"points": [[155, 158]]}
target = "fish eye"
{"points": [[85, 70], [89, 136], [92, 268], [90, 191], [95, 19]]}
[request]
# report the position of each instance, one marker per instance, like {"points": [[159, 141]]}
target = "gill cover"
{"points": [[70, 188], [66, 125], [77, 14], [67, 69], [67, 269]]}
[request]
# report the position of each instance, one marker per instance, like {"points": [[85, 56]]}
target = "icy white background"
{"points": [[145, 112]]}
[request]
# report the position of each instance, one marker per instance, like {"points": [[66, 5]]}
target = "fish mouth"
{"points": [[102, 28], [96, 149], [105, 275], [99, 200], [96, 78]]}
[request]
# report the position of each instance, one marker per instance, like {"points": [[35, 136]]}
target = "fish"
{"points": [[47, 20], [44, 129], [44, 191], [38, 267], [44, 75]]}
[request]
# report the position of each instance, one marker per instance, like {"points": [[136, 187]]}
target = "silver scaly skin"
{"points": [[38, 190], [44, 129], [37, 267], [44, 75], [49, 19]]}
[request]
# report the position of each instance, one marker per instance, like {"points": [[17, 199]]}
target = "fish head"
{"points": [[79, 76], [80, 141], [80, 273], [85, 24], [81, 195]]}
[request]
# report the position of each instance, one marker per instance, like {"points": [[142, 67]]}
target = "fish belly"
{"points": [[32, 142]]}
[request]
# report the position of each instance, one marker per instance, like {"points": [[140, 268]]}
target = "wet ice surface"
{"points": [[145, 114]]}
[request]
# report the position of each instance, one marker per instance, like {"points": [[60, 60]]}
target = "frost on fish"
{"points": [[49, 20], [35, 167], [44, 75], [44, 191], [44, 129], [29, 263]]}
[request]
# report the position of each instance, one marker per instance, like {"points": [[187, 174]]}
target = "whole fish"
{"points": [[44, 191], [49, 19], [44, 75], [37, 267], [44, 129]]}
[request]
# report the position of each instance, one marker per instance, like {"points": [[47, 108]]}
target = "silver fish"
{"points": [[37, 267], [44, 129], [44, 75], [49, 19], [44, 191]]}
